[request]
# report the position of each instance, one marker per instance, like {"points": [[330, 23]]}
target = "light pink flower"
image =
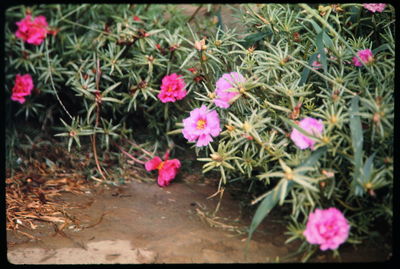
{"points": [[167, 169], [327, 228], [224, 85], [201, 125], [310, 125], [172, 88], [32, 32], [23, 86], [366, 57], [375, 7]]}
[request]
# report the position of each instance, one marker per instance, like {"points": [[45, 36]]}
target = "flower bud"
{"points": [[230, 128], [212, 95], [246, 127], [199, 44], [216, 157]]}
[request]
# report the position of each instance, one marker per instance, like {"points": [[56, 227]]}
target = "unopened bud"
{"points": [[150, 58], [212, 95], [215, 20], [246, 127], [216, 157], [368, 185], [230, 128], [199, 44], [333, 119], [289, 175], [326, 140], [376, 118], [328, 173]]}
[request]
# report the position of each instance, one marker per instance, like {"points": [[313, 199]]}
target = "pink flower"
{"points": [[33, 32], [224, 85], [172, 88], [23, 86], [201, 125], [366, 57], [375, 7], [316, 64], [310, 125], [167, 169], [327, 228]]}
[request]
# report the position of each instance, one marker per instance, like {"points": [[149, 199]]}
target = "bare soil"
{"points": [[142, 223]]}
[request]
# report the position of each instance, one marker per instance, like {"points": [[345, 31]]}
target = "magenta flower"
{"points": [[32, 32], [327, 228], [366, 57], [23, 86], [172, 88], [167, 169], [201, 125], [310, 125], [226, 83], [375, 7]]}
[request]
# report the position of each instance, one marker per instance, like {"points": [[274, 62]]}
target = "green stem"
{"points": [[321, 75], [347, 206], [70, 13], [333, 32], [203, 67], [52, 82], [89, 28]]}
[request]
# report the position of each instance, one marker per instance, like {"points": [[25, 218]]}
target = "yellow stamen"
{"points": [[200, 124], [160, 166]]}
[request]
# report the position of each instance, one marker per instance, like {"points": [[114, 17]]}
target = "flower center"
{"points": [[169, 89], [200, 124], [160, 166]]}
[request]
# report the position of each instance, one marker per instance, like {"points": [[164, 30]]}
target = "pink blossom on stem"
{"points": [[201, 125], [22, 87], [378, 7], [310, 125], [366, 57], [172, 88], [316, 65], [167, 169], [225, 84], [32, 31], [327, 228]]}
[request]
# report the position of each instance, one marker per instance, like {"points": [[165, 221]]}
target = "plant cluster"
{"points": [[300, 101]]}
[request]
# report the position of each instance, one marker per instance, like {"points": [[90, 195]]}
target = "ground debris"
{"points": [[36, 198], [216, 222]]}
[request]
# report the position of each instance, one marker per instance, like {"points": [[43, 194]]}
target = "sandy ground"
{"points": [[143, 223]]}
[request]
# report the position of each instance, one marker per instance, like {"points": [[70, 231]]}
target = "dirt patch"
{"points": [[142, 223], [169, 222]]}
